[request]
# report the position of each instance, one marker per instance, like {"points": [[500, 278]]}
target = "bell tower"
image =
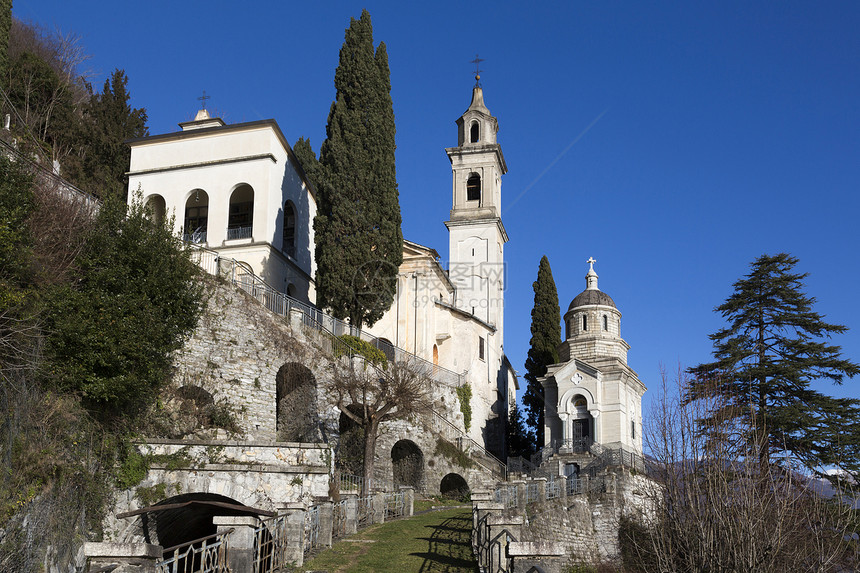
{"points": [[476, 233]]}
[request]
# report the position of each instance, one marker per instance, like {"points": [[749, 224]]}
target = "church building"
{"points": [[592, 395], [239, 190]]}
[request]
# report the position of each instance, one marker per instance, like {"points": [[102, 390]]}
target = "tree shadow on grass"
{"points": [[449, 547]]}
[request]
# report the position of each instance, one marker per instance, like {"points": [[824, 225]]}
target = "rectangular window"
{"points": [[633, 430], [481, 347]]}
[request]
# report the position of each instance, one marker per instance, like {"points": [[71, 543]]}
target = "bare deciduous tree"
{"points": [[717, 508], [370, 396]]}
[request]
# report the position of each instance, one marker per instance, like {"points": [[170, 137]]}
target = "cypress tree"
{"points": [[546, 336], [358, 238], [774, 347], [308, 160]]}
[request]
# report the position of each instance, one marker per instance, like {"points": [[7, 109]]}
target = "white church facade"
{"points": [[592, 395], [238, 189]]}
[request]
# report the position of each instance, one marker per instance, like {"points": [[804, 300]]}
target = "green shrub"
{"points": [[371, 353], [464, 394]]}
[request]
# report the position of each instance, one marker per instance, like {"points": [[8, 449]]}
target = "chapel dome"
{"points": [[590, 296]]}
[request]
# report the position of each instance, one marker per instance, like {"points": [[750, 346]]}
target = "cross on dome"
{"points": [[477, 61], [591, 277], [591, 261]]}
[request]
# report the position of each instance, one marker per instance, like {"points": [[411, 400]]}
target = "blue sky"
{"points": [[674, 142]]}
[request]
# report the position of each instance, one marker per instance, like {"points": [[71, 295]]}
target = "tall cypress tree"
{"points": [[774, 346], [546, 336], [358, 238]]}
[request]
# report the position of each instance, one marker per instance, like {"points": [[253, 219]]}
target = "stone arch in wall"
{"points": [[296, 414], [407, 461], [178, 525], [454, 486]]}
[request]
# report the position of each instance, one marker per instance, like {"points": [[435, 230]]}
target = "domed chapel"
{"points": [[592, 395]]}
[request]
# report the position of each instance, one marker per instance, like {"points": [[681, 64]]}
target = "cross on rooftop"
{"points": [[591, 261], [203, 98], [477, 61]]}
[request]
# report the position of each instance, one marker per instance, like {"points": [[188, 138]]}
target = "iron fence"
{"points": [[312, 528], [239, 233], [532, 493], [506, 495], [204, 555], [394, 505], [338, 519], [270, 545], [553, 489], [364, 511]]}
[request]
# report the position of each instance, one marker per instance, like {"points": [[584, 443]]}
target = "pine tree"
{"points": [[357, 229], [520, 439], [546, 336], [773, 348]]}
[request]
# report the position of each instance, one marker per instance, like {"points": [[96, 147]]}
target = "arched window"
{"points": [[156, 208], [196, 217], [475, 132], [473, 187], [605, 322], [584, 322], [240, 224], [289, 239]]}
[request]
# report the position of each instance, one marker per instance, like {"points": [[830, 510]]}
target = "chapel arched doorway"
{"points": [[196, 221], [296, 406], [407, 461], [581, 425]]}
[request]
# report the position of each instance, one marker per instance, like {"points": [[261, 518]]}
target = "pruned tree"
{"points": [[359, 243], [712, 506], [774, 347], [543, 350], [370, 396]]}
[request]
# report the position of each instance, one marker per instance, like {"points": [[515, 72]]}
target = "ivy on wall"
{"points": [[464, 393]]}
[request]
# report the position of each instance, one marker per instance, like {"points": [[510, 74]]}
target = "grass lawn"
{"points": [[435, 541]]}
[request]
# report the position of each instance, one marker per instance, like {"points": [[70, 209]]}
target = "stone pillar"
{"points": [[351, 520], [326, 522], [128, 557], [498, 525], [295, 514], [378, 507], [296, 318], [541, 488], [240, 556], [562, 487], [522, 494], [549, 556], [408, 500]]}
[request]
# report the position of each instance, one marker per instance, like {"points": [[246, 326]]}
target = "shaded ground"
{"points": [[437, 541]]}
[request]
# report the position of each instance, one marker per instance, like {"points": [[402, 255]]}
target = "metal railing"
{"points": [[394, 505], [196, 237], [312, 528], [553, 488], [532, 493], [204, 555], [350, 482], [491, 552], [270, 545], [364, 511], [338, 518], [239, 233], [506, 495]]}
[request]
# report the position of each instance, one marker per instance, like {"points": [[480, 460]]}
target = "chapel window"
{"points": [[481, 347], [196, 217], [584, 322], [240, 223], [289, 239], [475, 132], [473, 187], [605, 322], [633, 429]]}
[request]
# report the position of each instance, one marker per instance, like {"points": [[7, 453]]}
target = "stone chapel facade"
{"points": [[593, 395]]}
